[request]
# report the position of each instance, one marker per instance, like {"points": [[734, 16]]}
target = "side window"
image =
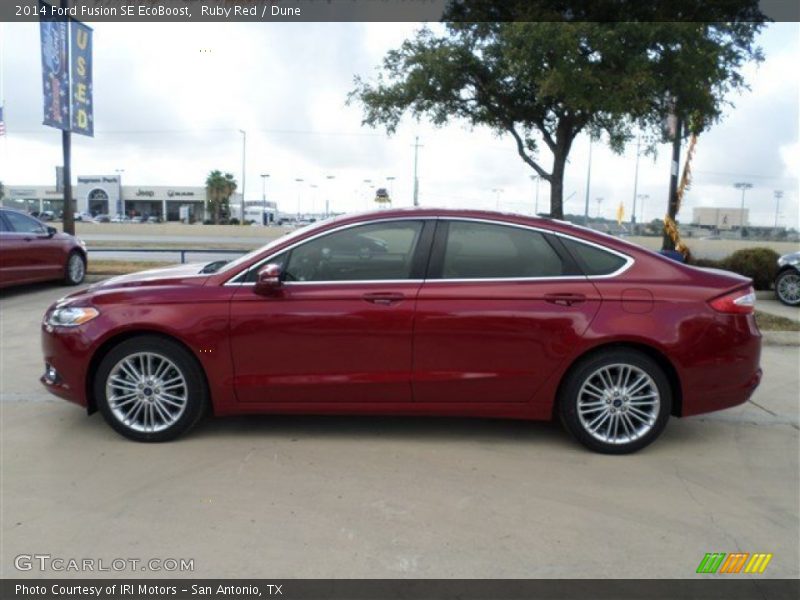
{"points": [[3, 226], [593, 260], [486, 251], [362, 253], [22, 223]]}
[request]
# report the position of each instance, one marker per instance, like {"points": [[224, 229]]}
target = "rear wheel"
{"points": [[75, 269], [787, 287], [150, 389], [616, 402]]}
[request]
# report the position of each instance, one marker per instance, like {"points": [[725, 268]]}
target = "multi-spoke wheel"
{"points": [[150, 389], [787, 287], [616, 402], [75, 269]]}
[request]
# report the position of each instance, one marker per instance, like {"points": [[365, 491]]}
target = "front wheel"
{"points": [[616, 402], [787, 287], [75, 269], [150, 389]]}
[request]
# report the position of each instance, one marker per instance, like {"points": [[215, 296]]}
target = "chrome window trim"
{"points": [[627, 265]]}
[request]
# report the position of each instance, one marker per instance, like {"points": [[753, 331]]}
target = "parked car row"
{"points": [[49, 215]]}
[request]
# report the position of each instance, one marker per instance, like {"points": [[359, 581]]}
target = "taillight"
{"points": [[739, 302]]}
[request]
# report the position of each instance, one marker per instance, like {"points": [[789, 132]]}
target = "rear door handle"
{"points": [[565, 299], [385, 298]]}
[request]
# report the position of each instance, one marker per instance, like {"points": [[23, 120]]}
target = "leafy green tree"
{"points": [[543, 73], [2, 191], [219, 189]]}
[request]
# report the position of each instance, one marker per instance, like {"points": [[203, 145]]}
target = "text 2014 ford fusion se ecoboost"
{"points": [[416, 312]]}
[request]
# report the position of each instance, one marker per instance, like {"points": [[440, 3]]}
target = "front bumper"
{"points": [[66, 356]]}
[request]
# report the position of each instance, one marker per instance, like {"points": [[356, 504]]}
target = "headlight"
{"points": [[71, 316]]}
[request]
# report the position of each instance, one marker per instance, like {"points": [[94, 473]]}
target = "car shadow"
{"points": [[407, 428]]}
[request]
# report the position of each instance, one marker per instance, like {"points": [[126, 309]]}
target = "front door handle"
{"points": [[385, 298], [565, 299]]}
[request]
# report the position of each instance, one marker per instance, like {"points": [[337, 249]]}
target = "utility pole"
{"points": [[264, 177], [68, 218], [244, 162], [642, 198], [672, 204], [391, 179], [635, 181], [588, 184], [417, 146], [744, 186], [298, 180], [120, 201], [777, 194]]}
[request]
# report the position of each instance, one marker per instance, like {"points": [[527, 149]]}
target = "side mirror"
{"points": [[51, 231], [269, 279]]}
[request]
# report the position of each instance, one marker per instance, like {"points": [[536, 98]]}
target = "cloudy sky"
{"points": [[170, 100]]}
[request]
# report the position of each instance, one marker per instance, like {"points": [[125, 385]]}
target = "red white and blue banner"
{"points": [[55, 71]]}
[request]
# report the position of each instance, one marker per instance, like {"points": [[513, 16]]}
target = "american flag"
{"points": [[2, 122]]}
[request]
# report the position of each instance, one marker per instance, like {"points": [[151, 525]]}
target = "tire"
{"points": [[157, 407], [589, 406], [74, 269], [787, 287]]}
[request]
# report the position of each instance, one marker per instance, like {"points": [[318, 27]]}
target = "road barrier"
{"points": [[182, 251]]}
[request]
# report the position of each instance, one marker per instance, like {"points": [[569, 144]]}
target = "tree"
{"points": [[544, 82], [219, 189], [2, 191]]}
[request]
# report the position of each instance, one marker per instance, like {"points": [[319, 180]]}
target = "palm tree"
{"points": [[219, 189]]}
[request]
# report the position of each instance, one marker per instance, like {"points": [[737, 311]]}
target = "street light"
{"points": [[497, 192], [264, 177], [777, 194], [536, 205], [298, 180], [599, 202], [328, 195], [642, 198], [744, 186], [244, 159], [391, 179], [120, 203]]}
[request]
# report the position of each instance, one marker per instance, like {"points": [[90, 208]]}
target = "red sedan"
{"points": [[415, 312], [30, 252]]}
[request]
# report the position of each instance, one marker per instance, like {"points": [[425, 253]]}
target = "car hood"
{"points": [[178, 275]]}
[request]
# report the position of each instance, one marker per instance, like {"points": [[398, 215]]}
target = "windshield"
{"points": [[234, 264]]}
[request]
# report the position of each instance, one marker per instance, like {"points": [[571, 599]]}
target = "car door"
{"points": [[339, 328], [31, 253], [502, 308]]}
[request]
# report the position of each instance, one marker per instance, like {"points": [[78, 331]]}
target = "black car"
{"points": [[787, 281]]}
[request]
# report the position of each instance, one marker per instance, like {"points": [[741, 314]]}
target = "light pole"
{"points": [[391, 179], [120, 201], [599, 202], [313, 186], [642, 198], [264, 177], [497, 192], [744, 186], [368, 184], [298, 180], [536, 202], [328, 195], [588, 184], [244, 162], [636, 181], [777, 194]]}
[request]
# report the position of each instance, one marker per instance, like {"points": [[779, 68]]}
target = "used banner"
{"points": [[82, 107]]}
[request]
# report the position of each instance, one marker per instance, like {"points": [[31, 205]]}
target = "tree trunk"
{"points": [[672, 204], [557, 186]]}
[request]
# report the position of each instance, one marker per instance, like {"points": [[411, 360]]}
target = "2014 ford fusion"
{"points": [[415, 312]]}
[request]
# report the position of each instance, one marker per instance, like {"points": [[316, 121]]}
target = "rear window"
{"points": [[593, 260]]}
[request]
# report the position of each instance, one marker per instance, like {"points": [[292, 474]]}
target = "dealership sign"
{"points": [[66, 73]]}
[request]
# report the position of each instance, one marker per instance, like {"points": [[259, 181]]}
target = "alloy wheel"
{"points": [[788, 288], [618, 404], [147, 392]]}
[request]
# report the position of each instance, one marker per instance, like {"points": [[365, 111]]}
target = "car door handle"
{"points": [[385, 298], [565, 299]]}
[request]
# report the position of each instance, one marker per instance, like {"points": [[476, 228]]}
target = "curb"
{"points": [[780, 338]]}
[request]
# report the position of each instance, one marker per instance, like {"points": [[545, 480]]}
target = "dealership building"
{"points": [[105, 195], [720, 218]]}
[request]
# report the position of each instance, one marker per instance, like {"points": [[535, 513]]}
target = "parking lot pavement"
{"points": [[382, 497], [769, 304]]}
